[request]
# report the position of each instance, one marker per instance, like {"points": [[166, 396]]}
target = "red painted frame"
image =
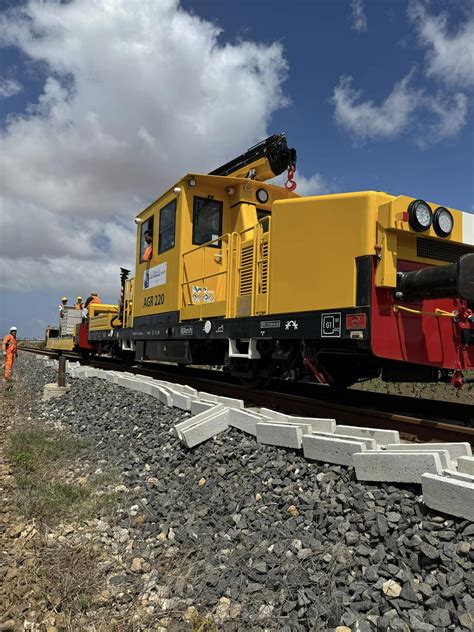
{"points": [[419, 339]]}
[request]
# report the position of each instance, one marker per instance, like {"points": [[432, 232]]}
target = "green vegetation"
{"points": [[41, 459]]}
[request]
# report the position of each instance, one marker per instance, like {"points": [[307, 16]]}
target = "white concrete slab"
{"points": [[200, 407], [188, 390], [466, 464], [202, 427], [318, 424], [381, 436], [279, 434], [274, 415], [180, 400], [166, 397], [459, 476], [455, 450], [244, 420], [370, 444], [396, 467], [197, 419], [448, 495], [330, 449], [208, 397]]}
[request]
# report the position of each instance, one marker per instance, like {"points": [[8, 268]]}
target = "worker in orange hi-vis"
{"points": [[148, 252], [93, 298], [10, 352]]}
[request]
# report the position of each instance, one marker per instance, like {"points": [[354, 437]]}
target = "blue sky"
{"points": [[101, 107], [320, 46]]}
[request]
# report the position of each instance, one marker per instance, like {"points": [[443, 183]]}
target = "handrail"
{"points": [[207, 243], [231, 252]]}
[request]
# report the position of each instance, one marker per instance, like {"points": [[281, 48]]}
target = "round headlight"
{"points": [[420, 215], [262, 196], [443, 222]]}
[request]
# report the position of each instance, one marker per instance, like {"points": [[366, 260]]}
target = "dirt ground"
{"points": [[436, 392]]}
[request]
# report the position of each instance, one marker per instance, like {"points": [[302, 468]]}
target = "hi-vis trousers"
{"points": [[9, 360]]}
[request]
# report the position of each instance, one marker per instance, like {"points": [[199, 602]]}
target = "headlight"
{"points": [[262, 196], [443, 222], [420, 215]]}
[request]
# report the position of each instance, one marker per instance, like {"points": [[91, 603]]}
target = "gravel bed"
{"points": [[257, 535]]}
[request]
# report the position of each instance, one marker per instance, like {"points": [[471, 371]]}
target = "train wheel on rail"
{"points": [[127, 358]]}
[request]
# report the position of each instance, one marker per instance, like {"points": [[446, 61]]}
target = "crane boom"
{"points": [[262, 161]]}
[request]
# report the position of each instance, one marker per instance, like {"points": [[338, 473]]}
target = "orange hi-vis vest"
{"points": [[95, 299], [148, 252], [9, 344]]}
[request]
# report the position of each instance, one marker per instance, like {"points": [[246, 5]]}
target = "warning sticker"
{"points": [[202, 295], [331, 325]]}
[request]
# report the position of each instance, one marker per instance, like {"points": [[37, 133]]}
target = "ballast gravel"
{"points": [[257, 535]]}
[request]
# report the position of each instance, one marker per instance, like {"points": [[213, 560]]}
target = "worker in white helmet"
{"points": [[62, 306], [10, 352]]}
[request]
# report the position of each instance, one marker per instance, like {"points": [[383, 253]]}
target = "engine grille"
{"points": [[246, 270], [264, 269], [440, 250]]}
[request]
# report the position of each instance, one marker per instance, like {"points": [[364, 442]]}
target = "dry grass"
{"points": [[69, 576], [41, 459]]}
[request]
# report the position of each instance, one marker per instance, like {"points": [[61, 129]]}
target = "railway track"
{"points": [[416, 419]]}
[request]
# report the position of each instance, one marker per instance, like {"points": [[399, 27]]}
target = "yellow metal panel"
{"points": [[399, 206], [104, 321], [314, 244], [163, 297], [60, 344], [397, 240]]}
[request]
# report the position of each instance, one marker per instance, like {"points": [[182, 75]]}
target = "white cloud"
{"points": [[9, 87], [448, 118], [359, 19], [443, 115], [136, 94], [450, 56], [365, 120]]}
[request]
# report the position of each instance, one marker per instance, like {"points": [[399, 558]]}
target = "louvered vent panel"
{"points": [[246, 268], [264, 269], [440, 250]]}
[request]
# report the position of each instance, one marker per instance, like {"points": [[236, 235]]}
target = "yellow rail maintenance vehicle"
{"points": [[235, 271], [73, 329]]}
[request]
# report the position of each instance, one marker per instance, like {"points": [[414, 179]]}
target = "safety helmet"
{"points": [[93, 293], [64, 298], [13, 329], [79, 298]]}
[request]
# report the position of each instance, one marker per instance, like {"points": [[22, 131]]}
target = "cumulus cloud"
{"points": [[365, 120], [136, 93], [444, 115], [9, 87], [450, 55], [359, 19], [449, 113]]}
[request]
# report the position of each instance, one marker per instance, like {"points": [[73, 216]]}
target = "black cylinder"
{"points": [[455, 280]]}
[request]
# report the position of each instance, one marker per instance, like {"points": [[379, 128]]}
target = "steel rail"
{"points": [[410, 427]]}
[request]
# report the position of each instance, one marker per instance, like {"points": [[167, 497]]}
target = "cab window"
{"points": [[146, 232], [207, 220], [263, 215], [166, 233]]}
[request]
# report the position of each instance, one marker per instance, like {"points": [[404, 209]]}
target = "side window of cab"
{"points": [[146, 240], [207, 221], [167, 227]]}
